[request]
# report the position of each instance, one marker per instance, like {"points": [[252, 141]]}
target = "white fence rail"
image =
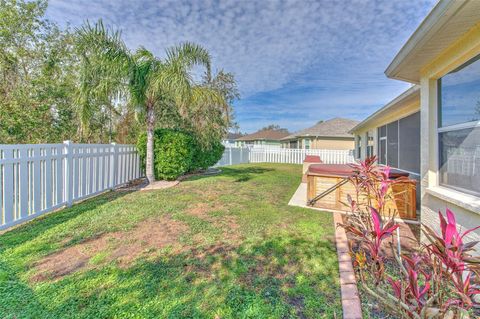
{"points": [[38, 178], [238, 155]]}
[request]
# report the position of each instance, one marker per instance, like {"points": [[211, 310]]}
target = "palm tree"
{"points": [[110, 69]]}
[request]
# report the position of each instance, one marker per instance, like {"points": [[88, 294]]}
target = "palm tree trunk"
{"points": [[150, 131]]}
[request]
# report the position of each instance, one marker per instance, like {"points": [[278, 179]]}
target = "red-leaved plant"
{"points": [[437, 281]]}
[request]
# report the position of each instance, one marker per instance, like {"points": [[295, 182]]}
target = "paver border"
{"points": [[348, 284]]}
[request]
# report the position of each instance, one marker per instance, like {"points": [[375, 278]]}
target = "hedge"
{"points": [[178, 152]]}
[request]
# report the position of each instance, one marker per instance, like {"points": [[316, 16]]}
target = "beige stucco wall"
{"points": [[434, 197], [333, 143], [325, 143]]}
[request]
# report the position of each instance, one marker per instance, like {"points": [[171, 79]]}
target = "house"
{"points": [[393, 133], [229, 140], [333, 134], [263, 138], [442, 60]]}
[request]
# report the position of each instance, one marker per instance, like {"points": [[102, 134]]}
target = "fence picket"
{"points": [[48, 177], [8, 213], [35, 179], [279, 155]]}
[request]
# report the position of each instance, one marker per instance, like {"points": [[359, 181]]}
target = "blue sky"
{"points": [[296, 62]]}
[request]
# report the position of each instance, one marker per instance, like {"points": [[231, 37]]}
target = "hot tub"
{"points": [[321, 177]]}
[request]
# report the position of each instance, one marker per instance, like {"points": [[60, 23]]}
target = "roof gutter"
{"points": [[434, 21], [402, 97]]}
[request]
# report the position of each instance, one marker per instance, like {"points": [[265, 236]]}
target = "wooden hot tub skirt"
{"points": [[402, 194]]}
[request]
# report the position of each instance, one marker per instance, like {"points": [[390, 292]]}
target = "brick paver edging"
{"points": [[348, 284]]}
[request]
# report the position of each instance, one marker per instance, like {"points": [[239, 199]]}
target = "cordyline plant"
{"points": [[438, 280]]}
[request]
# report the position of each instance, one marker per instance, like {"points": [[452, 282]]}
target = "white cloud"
{"points": [[269, 45]]}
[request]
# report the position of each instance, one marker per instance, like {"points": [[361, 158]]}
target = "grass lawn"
{"points": [[224, 246]]}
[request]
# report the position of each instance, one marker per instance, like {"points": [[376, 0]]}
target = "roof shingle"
{"points": [[275, 135], [336, 127]]}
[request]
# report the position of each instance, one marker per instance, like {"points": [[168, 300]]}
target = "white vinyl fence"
{"points": [[238, 155], [234, 155], [38, 178]]}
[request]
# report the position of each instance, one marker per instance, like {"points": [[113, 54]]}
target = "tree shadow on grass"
{"points": [[36, 227], [279, 277]]}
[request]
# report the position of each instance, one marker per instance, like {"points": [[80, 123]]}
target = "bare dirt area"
{"points": [[123, 247], [228, 223]]}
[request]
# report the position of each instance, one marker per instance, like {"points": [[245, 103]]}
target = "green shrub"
{"points": [[206, 157], [174, 151]]}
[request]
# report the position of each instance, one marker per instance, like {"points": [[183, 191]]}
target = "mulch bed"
{"points": [[409, 240]]}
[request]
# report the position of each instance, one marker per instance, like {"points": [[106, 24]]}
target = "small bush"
{"points": [[177, 152], [173, 153], [206, 157]]}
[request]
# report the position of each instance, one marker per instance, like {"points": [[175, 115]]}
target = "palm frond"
{"points": [[105, 64], [188, 55]]}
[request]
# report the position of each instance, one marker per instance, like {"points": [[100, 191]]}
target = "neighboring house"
{"points": [[332, 134], [443, 58], [229, 140], [263, 138]]}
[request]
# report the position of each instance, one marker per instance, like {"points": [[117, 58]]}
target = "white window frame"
{"points": [[452, 128], [358, 147]]}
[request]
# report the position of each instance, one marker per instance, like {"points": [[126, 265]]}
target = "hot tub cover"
{"points": [[343, 170], [312, 159]]}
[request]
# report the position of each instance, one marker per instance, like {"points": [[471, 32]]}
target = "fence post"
{"points": [[113, 165], [67, 149], [230, 155]]}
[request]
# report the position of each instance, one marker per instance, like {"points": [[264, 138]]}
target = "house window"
{"points": [[369, 139], [359, 146], [459, 127], [306, 144], [382, 145]]}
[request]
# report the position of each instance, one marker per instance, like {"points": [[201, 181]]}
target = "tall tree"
{"points": [[149, 83], [37, 75]]}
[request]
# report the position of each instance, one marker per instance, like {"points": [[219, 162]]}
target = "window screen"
{"points": [[392, 144], [382, 147], [409, 155], [460, 159], [382, 131]]}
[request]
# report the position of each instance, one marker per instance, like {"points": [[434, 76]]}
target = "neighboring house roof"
{"points": [[233, 136], [272, 135], [336, 127], [397, 105], [444, 25]]}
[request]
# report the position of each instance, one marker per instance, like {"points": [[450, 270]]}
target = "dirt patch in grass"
{"points": [[200, 210], [146, 236], [228, 223], [125, 247]]}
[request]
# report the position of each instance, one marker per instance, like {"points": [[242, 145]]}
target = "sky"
{"points": [[296, 62]]}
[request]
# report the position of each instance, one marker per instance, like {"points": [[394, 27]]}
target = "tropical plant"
{"points": [[147, 82], [436, 281]]}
